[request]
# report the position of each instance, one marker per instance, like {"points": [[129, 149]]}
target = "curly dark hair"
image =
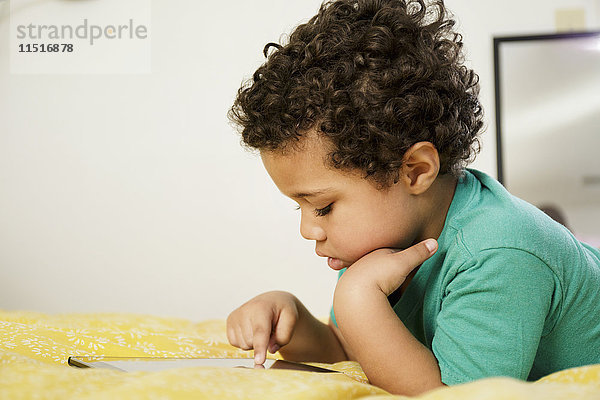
{"points": [[372, 76]]}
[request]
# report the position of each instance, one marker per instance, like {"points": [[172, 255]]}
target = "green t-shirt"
{"points": [[509, 292]]}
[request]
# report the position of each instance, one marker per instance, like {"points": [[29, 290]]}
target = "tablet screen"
{"points": [[132, 364]]}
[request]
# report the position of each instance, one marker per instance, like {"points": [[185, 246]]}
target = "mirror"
{"points": [[548, 125]]}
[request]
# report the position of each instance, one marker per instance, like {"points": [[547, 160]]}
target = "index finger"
{"points": [[261, 333]]}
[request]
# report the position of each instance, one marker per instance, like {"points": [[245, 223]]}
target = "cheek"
{"points": [[359, 236]]}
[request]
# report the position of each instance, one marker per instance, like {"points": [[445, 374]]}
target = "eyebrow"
{"points": [[311, 194]]}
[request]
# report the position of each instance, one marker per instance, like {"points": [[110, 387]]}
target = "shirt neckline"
{"points": [[413, 296]]}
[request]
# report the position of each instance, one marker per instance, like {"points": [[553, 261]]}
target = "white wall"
{"points": [[131, 193]]}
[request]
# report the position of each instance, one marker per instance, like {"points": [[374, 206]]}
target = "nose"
{"points": [[310, 229]]}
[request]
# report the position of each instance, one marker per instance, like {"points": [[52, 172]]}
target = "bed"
{"points": [[34, 348]]}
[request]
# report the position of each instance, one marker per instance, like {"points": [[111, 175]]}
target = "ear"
{"points": [[420, 167]]}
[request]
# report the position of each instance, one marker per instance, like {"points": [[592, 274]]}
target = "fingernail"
{"points": [[275, 348], [431, 245]]}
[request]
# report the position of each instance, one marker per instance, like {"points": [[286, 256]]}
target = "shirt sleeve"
{"points": [[492, 316]]}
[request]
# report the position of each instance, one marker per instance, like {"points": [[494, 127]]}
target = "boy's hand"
{"points": [[385, 269], [266, 322], [403, 365]]}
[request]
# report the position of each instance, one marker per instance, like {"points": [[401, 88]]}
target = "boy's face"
{"points": [[342, 212]]}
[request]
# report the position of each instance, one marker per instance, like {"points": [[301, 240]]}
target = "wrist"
{"points": [[352, 299]]}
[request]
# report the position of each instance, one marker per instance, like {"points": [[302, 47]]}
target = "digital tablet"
{"points": [[132, 364]]}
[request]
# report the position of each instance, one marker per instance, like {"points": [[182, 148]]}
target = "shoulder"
{"points": [[505, 281], [501, 269], [498, 236], [495, 222]]}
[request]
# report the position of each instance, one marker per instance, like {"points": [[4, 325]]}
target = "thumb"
{"points": [[406, 261]]}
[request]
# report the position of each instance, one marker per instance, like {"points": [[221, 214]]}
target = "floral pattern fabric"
{"points": [[34, 349]]}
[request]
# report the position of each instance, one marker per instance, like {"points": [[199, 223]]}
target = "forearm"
{"points": [[391, 357], [312, 340]]}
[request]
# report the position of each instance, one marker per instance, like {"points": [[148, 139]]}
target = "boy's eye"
{"points": [[319, 212]]}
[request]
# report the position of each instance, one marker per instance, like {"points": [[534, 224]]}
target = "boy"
{"points": [[366, 118]]}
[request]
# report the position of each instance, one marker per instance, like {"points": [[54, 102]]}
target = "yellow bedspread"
{"points": [[34, 349]]}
